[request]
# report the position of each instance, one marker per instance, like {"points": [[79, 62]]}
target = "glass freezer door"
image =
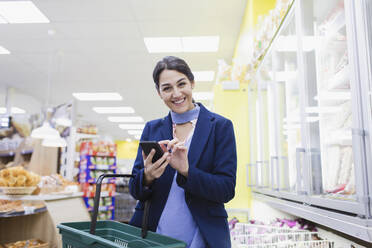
{"points": [[280, 74], [328, 84], [334, 101]]}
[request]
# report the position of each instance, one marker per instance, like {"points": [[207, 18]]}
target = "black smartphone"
{"points": [[148, 145]]}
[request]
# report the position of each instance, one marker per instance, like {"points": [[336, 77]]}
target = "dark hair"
{"points": [[171, 63]]}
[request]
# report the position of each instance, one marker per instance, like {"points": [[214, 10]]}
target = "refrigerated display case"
{"points": [[331, 95], [277, 78], [310, 104]]}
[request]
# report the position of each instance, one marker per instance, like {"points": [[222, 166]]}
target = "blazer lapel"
{"points": [[167, 134], [166, 129], [200, 137]]}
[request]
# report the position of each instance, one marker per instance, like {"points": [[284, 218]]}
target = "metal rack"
{"points": [[246, 235]]}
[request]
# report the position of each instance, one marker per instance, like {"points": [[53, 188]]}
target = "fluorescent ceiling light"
{"points": [[135, 132], [125, 119], [200, 43], [106, 96], [131, 126], [203, 76], [14, 110], [4, 50], [200, 96], [182, 44], [113, 110], [137, 137], [163, 44], [21, 12]]}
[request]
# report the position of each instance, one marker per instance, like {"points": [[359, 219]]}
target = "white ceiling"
{"points": [[98, 46]]}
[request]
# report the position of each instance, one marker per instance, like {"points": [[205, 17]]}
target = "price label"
{"points": [[29, 210]]}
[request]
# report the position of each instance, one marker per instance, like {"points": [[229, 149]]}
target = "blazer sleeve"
{"points": [[218, 185], [136, 185]]}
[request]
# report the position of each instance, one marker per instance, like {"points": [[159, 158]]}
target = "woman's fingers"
{"points": [[151, 167], [160, 170], [163, 147], [179, 146], [171, 143], [161, 160], [148, 159]]}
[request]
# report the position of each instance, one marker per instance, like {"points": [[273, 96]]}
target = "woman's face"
{"points": [[176, 91]]}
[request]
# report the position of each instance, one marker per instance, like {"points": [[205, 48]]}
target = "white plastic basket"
{"points": [[246, 235]]}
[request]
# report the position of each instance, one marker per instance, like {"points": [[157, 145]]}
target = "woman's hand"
{"points": [[153, 171], [178, 155]]}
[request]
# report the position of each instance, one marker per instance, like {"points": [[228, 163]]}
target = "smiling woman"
{"points": [[189, 184]]}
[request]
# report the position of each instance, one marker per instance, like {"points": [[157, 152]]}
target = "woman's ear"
{"points": [[192, 84]]}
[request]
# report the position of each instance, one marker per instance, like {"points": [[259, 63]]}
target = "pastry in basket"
{"points": [[32, 243], [18, 177]]}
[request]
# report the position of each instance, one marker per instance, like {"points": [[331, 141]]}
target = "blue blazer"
{"points": [[210, 182]]}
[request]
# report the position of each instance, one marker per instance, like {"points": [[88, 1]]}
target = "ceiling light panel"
{"points": [[182, 44], [132, 126], [107, 96], [203, 76], [163, 44], [200, 43], [4, 51], [21, 12], [113, 110], [125, 119]]}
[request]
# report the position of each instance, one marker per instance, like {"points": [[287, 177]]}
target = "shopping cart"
{"points": [[246, 235], [111, 233]]}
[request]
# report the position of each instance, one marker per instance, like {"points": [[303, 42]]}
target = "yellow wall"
{"points": [[126, 150], [254, 9], [233, 104]]}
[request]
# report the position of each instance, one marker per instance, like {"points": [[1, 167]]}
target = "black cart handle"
{"points": [[96, 204]]}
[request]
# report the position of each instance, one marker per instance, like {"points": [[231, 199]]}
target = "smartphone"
{"points": [[148, 145]]}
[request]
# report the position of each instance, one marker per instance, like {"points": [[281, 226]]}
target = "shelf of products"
{"points": [[97, 158], [12, 208]]}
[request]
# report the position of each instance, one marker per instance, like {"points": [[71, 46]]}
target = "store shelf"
{"points": [[6, 154], [85, 136], [12, 153], [351, 225], [104, 194], [28, 211], [102, 167], [50, 197], [102, 208]]}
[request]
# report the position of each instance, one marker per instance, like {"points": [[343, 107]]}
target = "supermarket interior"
{"points": [[77, 96]]}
